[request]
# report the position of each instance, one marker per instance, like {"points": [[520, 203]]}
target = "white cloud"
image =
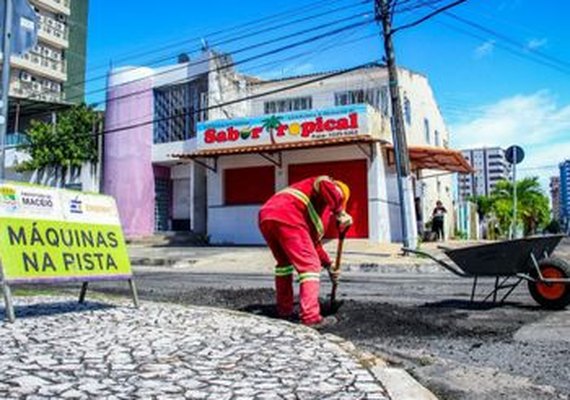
{"points": [[484, 50], [535, 43], [536, 122]]}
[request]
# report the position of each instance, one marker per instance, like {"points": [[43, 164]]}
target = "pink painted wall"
{"points": [[128, 173]]}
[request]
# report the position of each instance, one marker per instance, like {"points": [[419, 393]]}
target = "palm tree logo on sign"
{"points": [[270, 124]]}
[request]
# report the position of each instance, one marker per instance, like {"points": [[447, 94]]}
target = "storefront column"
{"points": [[378, 208]]}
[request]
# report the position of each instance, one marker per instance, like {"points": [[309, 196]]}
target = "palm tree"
{"points": [[532, 204], [270, 124]]}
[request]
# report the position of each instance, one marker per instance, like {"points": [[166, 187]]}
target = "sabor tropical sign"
{"points": [[289, 127]]}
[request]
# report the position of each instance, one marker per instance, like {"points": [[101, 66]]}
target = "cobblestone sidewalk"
{"points": [[58, 349]]}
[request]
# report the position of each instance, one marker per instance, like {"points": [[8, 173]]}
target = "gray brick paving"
{"points": [[57, 349]]}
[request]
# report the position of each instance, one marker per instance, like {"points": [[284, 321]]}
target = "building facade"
{"points": [[59, 56], [490, 166], [565, 194], [216, 186], [555, 197]]}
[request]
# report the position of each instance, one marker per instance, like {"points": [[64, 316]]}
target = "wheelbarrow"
{"points": [[511, 262]]}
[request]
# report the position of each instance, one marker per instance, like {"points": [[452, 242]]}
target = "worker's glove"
{"points": [[334, 275], [344, 221]]}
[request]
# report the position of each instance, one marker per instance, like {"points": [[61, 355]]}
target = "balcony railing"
{"points": [[53, 28], [14, 139], [46, 62], [35, 91], [62, 6]]}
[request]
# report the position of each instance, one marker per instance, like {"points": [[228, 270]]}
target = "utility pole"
{"points": [[407, 212], [6, 52]]}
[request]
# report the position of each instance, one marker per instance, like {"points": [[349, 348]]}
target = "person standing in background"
{"points": [[438, 217]]}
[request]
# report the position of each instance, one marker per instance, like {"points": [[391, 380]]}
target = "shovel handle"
{"points": [[336, 268]]}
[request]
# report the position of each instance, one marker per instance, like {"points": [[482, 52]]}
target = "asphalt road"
{"points": [[420, 321]]}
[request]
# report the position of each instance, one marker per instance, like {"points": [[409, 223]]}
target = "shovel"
{"points": [[334, 305]]}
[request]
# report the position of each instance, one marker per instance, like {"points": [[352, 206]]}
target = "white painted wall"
{"points": [[88, 176], [182, 201], [162, 152]]}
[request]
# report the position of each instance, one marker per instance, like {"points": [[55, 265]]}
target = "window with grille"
{"points": [[177, 110], [286, 105], [372, 97], [407, 110], [426, 131]]}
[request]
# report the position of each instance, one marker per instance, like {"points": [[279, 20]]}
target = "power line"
{"points": [[249, 25], [311, 52], [507, 39], [231, 39], [245, 49], [270, 52], [230, 102], [428, 16]]}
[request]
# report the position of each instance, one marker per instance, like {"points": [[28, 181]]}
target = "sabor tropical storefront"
{"points": [[250, 159]]}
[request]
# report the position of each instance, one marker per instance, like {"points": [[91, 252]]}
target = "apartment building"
{"points": [[555, 197], [565, 193], [42, 74], [489, 165], [204, 160]]}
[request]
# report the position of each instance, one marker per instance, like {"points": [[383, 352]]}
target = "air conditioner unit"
{"points": [[25, 77]]}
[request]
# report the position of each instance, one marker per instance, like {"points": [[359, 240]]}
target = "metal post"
{"points": [[134, 292], [515, 158], [8, 304], [83, 292], [6, 52]]}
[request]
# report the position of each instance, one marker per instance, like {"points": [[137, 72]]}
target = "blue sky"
{"points": [[488, 88]]}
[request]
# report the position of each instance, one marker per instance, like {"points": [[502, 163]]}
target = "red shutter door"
{"points": [[354, 174], [248, 186]]}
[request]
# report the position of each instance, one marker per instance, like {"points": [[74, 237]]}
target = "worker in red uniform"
{"points": [[293, 222]]}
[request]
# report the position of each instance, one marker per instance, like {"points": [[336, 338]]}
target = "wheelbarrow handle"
{"points": [[451, 268]]}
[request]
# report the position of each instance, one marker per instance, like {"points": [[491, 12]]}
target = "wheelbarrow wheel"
{"points": [[554, 296]]}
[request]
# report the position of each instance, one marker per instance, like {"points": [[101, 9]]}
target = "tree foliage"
{"points": [[533, 210], [64, 145]]}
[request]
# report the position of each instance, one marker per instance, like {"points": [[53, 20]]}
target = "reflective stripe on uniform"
{"points": [[315, 218], [309, 276], [318, 181], [286, 270]]}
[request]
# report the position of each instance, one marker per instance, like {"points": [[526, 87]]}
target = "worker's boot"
{"points": [[325, 322], [284, 291]]}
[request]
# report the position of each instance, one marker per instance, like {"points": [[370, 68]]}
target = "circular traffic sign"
{"points": [[514, 154]]}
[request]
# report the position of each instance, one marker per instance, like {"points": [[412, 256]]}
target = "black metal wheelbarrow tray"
{"points": [[511, 262]]}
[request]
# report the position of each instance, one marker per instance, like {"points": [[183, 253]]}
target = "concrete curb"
{"points": [[398, 384], [362, 267]]}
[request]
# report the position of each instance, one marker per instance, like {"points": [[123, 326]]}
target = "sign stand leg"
{"points": [[134, 292], [83, 292], [9, 305]]}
